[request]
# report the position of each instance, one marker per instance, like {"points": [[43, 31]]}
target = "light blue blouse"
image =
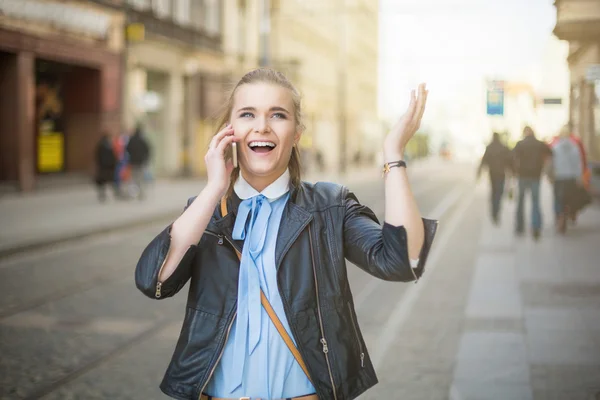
{"points": [[256, 361]]}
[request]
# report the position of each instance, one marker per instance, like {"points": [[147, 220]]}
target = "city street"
{"points": [[494, 316]]}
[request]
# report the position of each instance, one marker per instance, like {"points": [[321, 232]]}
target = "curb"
{"points": [[82, 235], [166, 216]]}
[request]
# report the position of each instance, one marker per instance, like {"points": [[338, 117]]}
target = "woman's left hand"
{"points": [[397, 139]]}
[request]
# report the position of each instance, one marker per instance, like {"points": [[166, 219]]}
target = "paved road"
{"points": [[73, 326]]}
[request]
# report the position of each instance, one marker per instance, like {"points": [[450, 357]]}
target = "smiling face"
{"points": [[263, 117]]}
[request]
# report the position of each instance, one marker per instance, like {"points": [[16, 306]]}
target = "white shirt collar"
{"points": [[272, 192]]}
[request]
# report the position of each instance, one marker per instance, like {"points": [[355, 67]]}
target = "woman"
{"points": [[269, 312]]}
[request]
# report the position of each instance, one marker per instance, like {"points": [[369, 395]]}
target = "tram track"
{"points": [[112, 276], [96, 361]]}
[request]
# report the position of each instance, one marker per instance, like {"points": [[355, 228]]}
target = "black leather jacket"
{"points": [[322, 225]]}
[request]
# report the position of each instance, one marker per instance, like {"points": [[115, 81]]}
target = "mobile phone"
{"points": [[234, 154]]}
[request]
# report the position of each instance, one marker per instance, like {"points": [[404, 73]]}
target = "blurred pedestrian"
{"points": [[138, 150], [121, 175], [577, 141], [530, 157], [320, 160], [106, 164], [256, 245], [587, 175], [497, 159], [567, 174]]}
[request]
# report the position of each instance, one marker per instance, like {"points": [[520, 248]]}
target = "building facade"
{"points": [[578, 22], [60, 80], [330, 50], [174, 78]]}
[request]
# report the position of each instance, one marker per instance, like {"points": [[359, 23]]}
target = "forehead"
{"points": [[263, 95]]}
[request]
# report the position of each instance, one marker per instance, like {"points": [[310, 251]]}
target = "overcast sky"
{"points": [[456, 44]]}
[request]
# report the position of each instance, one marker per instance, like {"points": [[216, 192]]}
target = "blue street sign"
{"points": [[495, 98]]}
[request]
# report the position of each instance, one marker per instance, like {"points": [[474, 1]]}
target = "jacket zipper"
{"points": [[158, 293], [362, 353], [214, 367], [220, 237], [413, 272], [323, 340]]}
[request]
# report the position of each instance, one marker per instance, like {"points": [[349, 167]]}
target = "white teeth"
{"points": [[262, 144]]}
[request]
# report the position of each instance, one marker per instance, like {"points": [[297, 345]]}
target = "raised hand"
{"points": [[408, 124]]}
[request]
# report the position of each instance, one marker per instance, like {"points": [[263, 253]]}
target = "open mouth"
{"points": [[262, 147]]}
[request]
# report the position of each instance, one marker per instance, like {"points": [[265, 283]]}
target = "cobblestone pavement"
{"points": [[493, 318]]}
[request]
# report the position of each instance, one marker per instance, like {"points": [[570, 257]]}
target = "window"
{"points": [[162, 8], [596, 105], [212, 20], [241, 27], [197, 14], [140, 5], [181, 12]]}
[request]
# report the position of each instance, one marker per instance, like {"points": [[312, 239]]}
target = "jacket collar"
{"points": [[294, 220]]}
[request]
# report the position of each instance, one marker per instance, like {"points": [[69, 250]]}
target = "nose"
{"points": [[261, 125]]}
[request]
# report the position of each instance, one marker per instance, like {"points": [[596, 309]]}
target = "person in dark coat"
{"points": [[530, 157], [497, 159], [106, 163], [139, 155]]}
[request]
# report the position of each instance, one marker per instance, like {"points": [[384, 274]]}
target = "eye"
{"points": [[279, 115], [246, 114]]}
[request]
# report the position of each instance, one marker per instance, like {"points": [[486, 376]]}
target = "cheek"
{"points": [[287, 135], [241, 128]]}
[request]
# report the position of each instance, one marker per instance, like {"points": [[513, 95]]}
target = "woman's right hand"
{"points": [[217, 168]]}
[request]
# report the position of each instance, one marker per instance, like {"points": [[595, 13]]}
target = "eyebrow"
{"points": [[276, 108]]}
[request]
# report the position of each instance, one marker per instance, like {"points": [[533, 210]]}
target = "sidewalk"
{"points": [[533, 313], [51, 216], [516, 320]]}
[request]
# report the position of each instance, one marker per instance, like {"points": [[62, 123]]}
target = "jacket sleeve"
{"points": [[381, 251], [152, 260]]}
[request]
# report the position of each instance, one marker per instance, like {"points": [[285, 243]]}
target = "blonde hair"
{"points": [[267, 75]]}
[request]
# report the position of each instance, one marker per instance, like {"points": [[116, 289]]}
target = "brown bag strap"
{"points": [[269, 309]]}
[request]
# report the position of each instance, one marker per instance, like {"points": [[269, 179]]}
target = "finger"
{"points": [[407, 116], [229, 166], [421, 105], [226, 141], [228, 130], [413, 103]]}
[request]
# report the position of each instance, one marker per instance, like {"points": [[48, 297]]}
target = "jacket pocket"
{"points": [[356, 336]]}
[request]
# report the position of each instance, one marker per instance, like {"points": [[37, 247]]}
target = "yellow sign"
{"points": [[135, 32], [50, 152]]}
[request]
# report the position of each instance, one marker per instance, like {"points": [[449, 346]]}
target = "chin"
{"points": [[263, 169]]}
